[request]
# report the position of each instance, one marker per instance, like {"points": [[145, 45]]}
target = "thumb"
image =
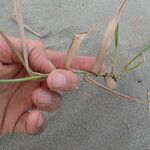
{"points": [[38, 59]]}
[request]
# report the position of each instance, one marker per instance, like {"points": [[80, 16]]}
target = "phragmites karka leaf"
{"points": [[13, 48], [19, 19], [28, 28], [108, 35], [76, 41], [94, 83]]}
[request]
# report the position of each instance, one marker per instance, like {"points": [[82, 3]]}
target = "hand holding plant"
{"points": [[17, 100]]}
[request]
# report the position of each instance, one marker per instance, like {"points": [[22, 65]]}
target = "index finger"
{"points": [[84, 63]]}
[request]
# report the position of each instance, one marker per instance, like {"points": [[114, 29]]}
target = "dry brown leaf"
{"points": [[108, 35], [19, 55], [13, 48], [19, 19], [95, 83], [28, 28], [76, 41]]}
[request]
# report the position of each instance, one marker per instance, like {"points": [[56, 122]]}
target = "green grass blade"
{"points": [[115, 51], [117, 36], [127, 67], [139, 55], [135, 66]]}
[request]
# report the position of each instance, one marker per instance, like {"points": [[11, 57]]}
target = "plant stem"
{"points": [[31, 78], [95, 83]]}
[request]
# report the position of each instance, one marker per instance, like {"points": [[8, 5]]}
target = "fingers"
{"points": [[84, 63], [37, 56], [62, 80], [35, 123], [38, 59], [46, 100], [58, 80], [31, 123]]}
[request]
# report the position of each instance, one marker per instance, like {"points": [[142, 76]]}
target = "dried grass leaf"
{"points": [[93, 82], [18, 14], [13, 48], [28, 28], [108, 35], [19, 55], [76, 41]]}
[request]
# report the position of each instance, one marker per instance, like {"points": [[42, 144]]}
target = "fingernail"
{"points": [[40, 121], [59, 80], [44, 97]]}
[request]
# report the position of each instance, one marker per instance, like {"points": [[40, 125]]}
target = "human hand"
{"points": [[20, 103]]}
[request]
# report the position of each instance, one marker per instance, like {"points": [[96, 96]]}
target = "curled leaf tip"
{"points": [[76, 41]]}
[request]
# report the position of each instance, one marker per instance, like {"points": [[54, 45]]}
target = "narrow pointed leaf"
{"points": [[129, 69], [108, 35], [139, 54], [117, 36], [19, 55], [115, 50], [19, 19], [95, 83], [138, 57], [13, 48], [28, 28]]}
